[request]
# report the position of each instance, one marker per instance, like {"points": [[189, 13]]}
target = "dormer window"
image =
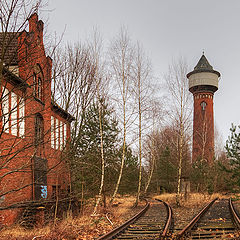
{"points": [[203, 105]]}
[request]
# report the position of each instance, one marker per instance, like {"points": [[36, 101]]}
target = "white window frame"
{"points": [[21, 120], [57, 133], [14, 118], [52, 132], [5, 109], [61, 134], [64, 134]]}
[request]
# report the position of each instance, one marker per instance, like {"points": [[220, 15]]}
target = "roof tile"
{"points": [[11, 44]]}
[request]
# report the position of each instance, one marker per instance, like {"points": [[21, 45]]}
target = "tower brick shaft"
{"points": [[203, 83]]}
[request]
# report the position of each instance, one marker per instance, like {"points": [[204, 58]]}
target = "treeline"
{"points": [[131, 135], [132, 131]]}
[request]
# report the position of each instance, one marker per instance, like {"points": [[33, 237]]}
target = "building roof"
{"points": [[203, 66], [10, 40], [14, 78], [11, 46], [56, 108]]}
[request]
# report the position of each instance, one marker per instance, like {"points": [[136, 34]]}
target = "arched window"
{"points": [[39, 89], [38, 83], [203, 105], [39, 135], [40, 163]]}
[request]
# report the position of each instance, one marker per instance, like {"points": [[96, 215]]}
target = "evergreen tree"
{"points": [[129, 181], [86, 164], [233, 153]]}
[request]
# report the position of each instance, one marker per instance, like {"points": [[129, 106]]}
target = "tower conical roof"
{"points": [[203, 64]]}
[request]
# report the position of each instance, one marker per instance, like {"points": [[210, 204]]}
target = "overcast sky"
{"points": [[167, 29]]}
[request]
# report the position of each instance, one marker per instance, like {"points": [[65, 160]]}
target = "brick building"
{"points": [[33, 129], [203, 83]]}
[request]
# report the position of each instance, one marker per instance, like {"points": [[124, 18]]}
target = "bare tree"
{"points": [[151, 144], [74, 86], [177, 85], [96, 49], [121, 60], [219, 143], [141, 91]]}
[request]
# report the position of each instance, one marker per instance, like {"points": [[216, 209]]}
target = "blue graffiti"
{"points": [[43, 191]]}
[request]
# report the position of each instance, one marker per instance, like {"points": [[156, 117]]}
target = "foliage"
{"points": [[210, 178], [129, 181], [86, 164], [166, 155], [233, 154], [165, 172], [201, 177]]}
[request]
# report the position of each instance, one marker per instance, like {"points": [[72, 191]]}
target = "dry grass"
{"points": [[124, 205], [192, 200], [87, 227], [18, 232]]}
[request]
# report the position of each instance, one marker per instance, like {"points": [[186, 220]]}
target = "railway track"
{"points": [[153, 222], [218, 220]]}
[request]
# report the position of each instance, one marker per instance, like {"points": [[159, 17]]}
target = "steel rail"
{"points": [[167, 226], [234, 214], [195, 220], [121, 228]]}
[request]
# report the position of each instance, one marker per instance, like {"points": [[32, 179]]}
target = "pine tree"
{"points": [[233, 153], [130, 176], [86, 164]]}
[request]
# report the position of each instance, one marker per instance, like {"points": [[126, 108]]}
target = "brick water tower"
{"points": [[203, 83]]}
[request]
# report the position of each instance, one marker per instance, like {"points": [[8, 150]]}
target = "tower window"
{"points": [[203, 105]]}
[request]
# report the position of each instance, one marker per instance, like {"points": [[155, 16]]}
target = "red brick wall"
{"points": [[31, 53], [203, 127]]}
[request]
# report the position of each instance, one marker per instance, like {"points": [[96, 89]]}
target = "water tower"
{"points": [[203, 83]]}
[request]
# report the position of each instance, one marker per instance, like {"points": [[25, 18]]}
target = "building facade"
{"points": [[203, 83], [33, 129]]}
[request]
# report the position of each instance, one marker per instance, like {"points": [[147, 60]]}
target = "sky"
{"points": [[167, 29]]}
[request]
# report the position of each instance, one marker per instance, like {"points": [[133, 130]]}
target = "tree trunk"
{"points": [[151, 172], [102, 153], [180, 152], [124, 141], [140, 148]]}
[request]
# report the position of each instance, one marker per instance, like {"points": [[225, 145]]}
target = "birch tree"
{"points": [[121, 62], [155, 116], [177, 86], [96, 49], [141, 91]]}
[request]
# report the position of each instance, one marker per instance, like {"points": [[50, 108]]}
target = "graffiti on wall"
{"points": [[43, 191]]}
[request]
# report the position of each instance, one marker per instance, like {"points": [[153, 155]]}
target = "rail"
{"points": [[167, 226], [195, 220], [121, 228], [234, 214]]}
